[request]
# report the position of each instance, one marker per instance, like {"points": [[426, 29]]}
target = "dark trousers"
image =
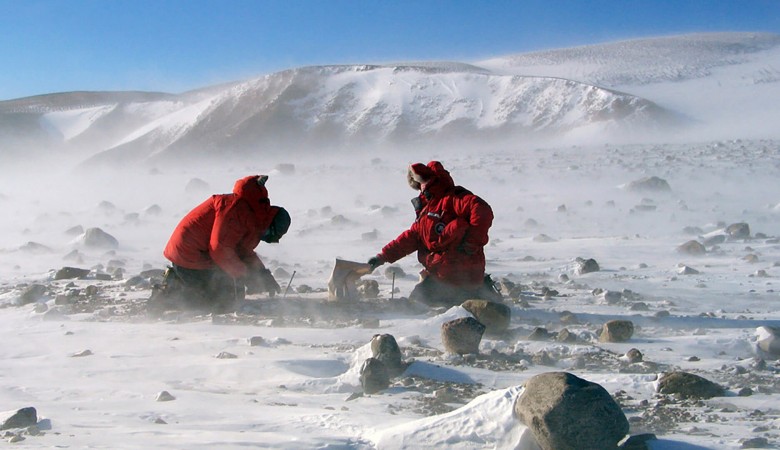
{"points": [[434, 292], [211, 288]]}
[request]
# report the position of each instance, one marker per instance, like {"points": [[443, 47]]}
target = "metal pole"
{"points": [[288, 285]]}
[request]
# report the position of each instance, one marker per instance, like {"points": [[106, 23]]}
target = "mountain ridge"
{"points": [[385, 105]]}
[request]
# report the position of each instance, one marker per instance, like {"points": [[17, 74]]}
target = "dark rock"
{"points": [[394, 272], [385, 349], [566, 336], [368, 288], [617, 331], [583, 266], [688, 385], [374, 376], [95, 237], [540, 334], [756, 442], [565, 412], [69, 273], [649, 184], [714, 240], [20, 418], [769, 341], [31, 294], [693, 248], [738, 230], [462, 336], [495, 316], [633, 356]]}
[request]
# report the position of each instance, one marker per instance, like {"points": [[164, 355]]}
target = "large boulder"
{"points": [[583, 266], [692, 247], [462, 336], [373, 376], [565, 412], [95, 237], [688, 385], [385, 349], [495, 316], [616, 331], [769, 341], [20, 418], [738, 230]]}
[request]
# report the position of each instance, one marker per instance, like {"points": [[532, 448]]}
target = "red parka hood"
{"points": [[252, 189], [432, 177]]}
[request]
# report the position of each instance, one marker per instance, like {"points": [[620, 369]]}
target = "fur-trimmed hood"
{"points": [[432, 178]]}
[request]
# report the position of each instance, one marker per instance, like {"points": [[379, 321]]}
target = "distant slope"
{"points": [[333, 107], [645, 61], [728, 83]]}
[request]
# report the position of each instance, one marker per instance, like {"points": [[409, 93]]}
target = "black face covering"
{"points": [[278, 228]]}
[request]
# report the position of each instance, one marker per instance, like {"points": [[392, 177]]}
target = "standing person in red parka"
{"points": [[448, 235], [212, 248]]}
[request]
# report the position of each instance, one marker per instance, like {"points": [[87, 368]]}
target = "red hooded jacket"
{"points": [[224, 230], [450, 231]]}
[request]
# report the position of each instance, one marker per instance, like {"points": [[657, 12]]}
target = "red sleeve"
{"points": [[406, 243], [480, 217], [226, 234]]}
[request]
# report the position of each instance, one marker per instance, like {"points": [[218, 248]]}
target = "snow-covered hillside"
{"points": [[728, 83]]}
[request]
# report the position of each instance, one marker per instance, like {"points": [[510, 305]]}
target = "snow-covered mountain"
{"points": [[728, 83], [609, 91]]}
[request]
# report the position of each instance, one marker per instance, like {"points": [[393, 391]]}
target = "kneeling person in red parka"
{"points": [[212, 247], [448, 235]]}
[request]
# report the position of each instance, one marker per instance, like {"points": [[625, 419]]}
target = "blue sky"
{"points": [[172, 46]]}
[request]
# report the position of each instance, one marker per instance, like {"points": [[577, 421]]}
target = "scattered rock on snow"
{"points": [[462, 336], [617, 331], [769, 340], [543, 238], [739, 230], [692, 247], [256, 341], [69, 273], [373, 376], [688, 385], [565, 412], [164, 396], [633, 356], [686, 270], [31, 294], [20, 418], [649, 184], [225, 355], [385, 348], [495, 316], [583, 266], [97, 238]]}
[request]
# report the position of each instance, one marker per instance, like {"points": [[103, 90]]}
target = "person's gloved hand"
{"points": [[375, 261], [269, 282], [262, 281]]}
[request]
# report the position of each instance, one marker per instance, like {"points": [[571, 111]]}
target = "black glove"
{"points": [[262, 281], [375, 261]]}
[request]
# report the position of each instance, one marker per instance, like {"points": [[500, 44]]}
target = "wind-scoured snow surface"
{"points": [[552, 204]]}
